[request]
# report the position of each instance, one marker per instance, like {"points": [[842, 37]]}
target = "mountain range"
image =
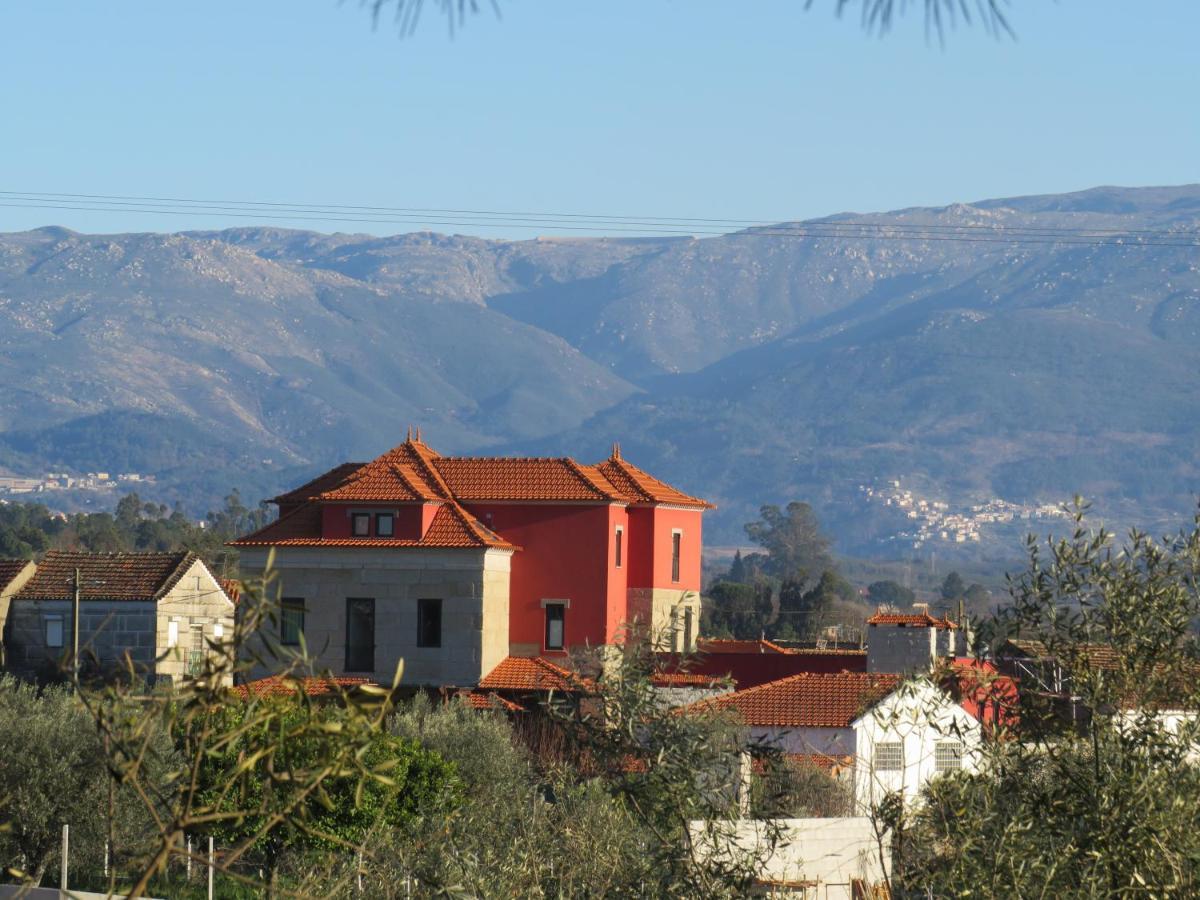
{"points": [[977, 350]]}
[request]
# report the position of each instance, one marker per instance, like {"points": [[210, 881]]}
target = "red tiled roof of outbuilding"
{"points": [[532, 673], [920, 620], [488, 700], [106, 576], [287, 686], [807, 700]]}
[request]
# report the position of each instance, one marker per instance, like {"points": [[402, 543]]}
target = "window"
{"points": [[360, 525], [218, 630], [196, 654], [676, 541], [429, 623], [291, 621], [385, 525], [617, 550], [889, 756], [555, 625], [360, 634], [54, 631], [173, 633], [947, 756], [689, 638]]}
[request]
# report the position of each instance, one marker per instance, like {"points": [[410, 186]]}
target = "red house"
{"points": [[455, 563]]}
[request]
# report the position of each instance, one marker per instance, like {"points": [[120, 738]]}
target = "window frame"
{"points": [[291, 609], [355, 518], [56, 619], [877, 762], [941, 752], [390, 518], [561, 618], [424, 606], [676, 554], [350, 604]]}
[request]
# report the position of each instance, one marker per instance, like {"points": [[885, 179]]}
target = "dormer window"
{"points": [[385, 525], [360, 525]]}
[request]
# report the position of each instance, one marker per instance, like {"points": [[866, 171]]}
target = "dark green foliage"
{"points": [[953, 588], [889, 593], [795, 545], [737, 610], [27, 529]]}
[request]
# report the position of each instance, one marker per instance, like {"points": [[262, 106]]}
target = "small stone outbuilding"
{"points": [[164, 611]]}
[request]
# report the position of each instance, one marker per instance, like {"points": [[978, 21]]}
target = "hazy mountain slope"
{"points": [[769, 367], [304, 362]]}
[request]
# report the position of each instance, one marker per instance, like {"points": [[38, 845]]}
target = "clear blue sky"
{"points": [[707, 108]]}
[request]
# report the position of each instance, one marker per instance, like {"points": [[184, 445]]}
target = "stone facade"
{"points": [[472, 585], [666, 613], [13, 575]]}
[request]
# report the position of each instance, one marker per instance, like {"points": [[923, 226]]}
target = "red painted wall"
{"points": [[566, 554], [409, 525], [688, 521], [751, 669]]}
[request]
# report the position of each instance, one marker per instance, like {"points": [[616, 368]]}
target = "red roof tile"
{"points": [[920, 620], [323, 482], [531, 673], [106, 576], [287, 686], [478, 479], [488, 700], [807, 700], [639, 486]]}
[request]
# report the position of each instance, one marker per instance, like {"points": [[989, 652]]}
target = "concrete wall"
{"points": [[662, 611], [829, 852], [918, 716], [900, 648], [471, 583], [830, 741]]}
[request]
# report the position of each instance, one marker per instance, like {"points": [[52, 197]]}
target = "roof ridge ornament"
{"points": [[616, 450]]}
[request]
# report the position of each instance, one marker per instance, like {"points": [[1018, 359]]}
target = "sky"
{"points": [[629, 108]]}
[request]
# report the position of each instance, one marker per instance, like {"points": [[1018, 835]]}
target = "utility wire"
{"points": [[510, 215], [875, 231]]}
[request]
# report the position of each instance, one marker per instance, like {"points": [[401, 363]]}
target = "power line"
{"points": [[880, 231], [511, 215]]}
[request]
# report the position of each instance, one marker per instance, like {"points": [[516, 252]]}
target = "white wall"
{"points": [[918, 716]]}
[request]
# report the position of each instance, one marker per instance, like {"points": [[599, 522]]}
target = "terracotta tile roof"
{"points": [[639, 486], [920, 620], [452, 527], [376, 481], [10, 569], [806, 700], [323, 482], [720, 645], [286, 686], [488, 700], [531, 673], [232, 588], [687, 679], [107, 576], [479, 479]]}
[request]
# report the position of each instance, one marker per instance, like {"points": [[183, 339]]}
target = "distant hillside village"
{"points": [[63, 481], [505, 581]]}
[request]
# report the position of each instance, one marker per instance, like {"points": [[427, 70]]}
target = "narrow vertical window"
{"points": [[360, 525], [555, 625], [385, 525], [54, 631], [429, 623], [291, 621], [360, 634], [173, 633], [617, 544], [196, 653], [676, 542]]}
